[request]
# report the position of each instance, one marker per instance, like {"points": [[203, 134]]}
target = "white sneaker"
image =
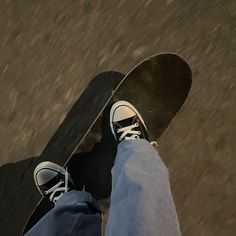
{"points": [[52, 180], [126, 122]]}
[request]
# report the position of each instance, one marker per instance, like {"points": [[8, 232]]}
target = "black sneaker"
{"points": [[126, 122], [52, 180]]}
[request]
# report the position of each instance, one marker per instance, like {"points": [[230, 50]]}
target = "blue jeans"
{"points": [[141, 200]]}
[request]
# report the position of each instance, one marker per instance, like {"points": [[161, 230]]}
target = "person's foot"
{"points": [[52, 180], [126, 122]]}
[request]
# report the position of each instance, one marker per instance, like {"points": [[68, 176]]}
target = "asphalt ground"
{"points": [[50, 50]]}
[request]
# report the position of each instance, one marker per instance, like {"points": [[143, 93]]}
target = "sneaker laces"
{"points": [[58, 188], [135, 134], [129, 130], [154, 144]]}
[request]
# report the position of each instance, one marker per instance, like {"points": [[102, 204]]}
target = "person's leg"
{"points": [[141, 199], [74, 213]]}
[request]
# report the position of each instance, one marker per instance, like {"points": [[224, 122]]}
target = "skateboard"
{"points": [[157, 87], [70, 133]]}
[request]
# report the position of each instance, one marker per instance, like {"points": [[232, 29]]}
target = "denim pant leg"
{"points": [[141, 199], [75, 213]]}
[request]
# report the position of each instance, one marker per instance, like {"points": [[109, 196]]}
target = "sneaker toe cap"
{"points": [[43, 176], [122, 113]]}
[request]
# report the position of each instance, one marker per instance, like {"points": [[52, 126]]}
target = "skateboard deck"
{"points": [[157, 87]]}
